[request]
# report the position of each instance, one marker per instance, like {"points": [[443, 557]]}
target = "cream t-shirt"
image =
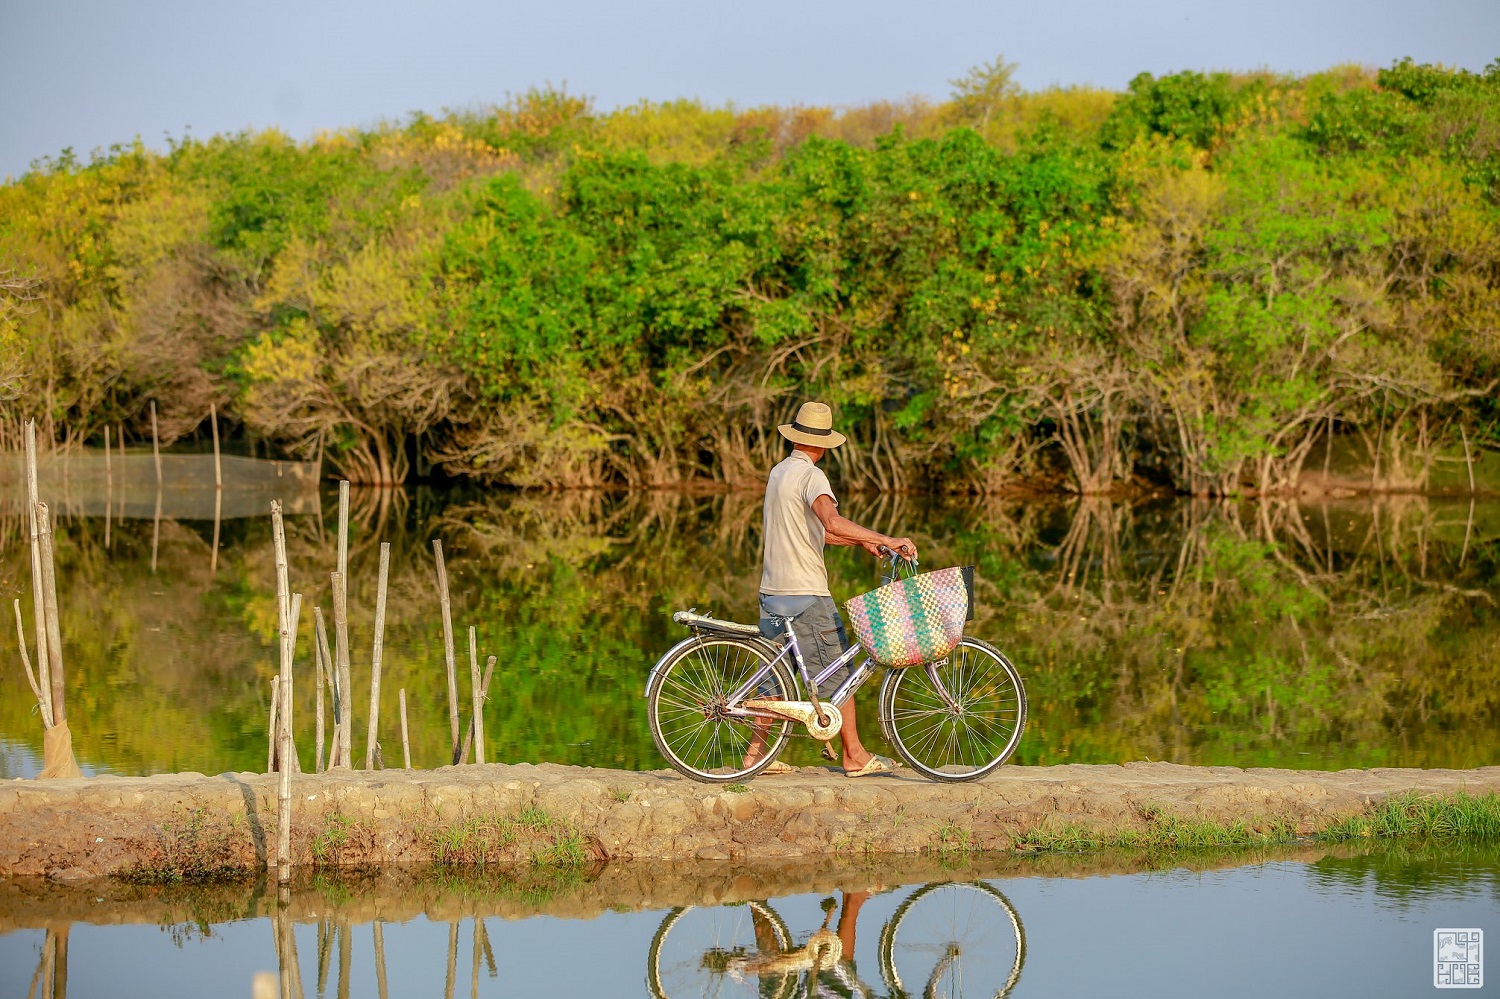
{"points": [[793, 535]]}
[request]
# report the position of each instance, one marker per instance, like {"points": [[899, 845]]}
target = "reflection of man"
{"points": [[801, 517]]}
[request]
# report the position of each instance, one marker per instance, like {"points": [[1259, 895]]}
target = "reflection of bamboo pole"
{"points": [[489, 953], [346, 944], [213, 559], [43, 665], [474, 974], [109, 488], [442, 585], [120, 433], [405, 740], [380, 588], [1468, 459], [26, 662], [341, 665], [452, 960], [343, 538], [155, 445], [213, 420], [156, 528], [325, 947], [380, 985], [49, 603]]}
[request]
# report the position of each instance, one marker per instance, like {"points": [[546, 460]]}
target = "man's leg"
{"points": [[820, 633]]}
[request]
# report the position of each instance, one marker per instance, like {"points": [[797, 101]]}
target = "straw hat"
{"points": [[813, 426]]}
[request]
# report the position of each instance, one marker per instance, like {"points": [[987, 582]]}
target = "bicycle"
{"points": [[710, 696], [945, 939]]}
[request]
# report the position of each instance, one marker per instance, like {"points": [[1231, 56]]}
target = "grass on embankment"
{"points": [[1458, 817]]}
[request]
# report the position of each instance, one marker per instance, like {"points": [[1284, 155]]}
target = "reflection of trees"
{"points": [[1195, 631]]}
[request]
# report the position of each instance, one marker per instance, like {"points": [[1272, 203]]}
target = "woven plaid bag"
{"points": [[913, 620]]}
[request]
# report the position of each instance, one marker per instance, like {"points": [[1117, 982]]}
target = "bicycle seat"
{"points": [[702, 622]]}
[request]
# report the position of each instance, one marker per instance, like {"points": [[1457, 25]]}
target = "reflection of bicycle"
{"points": [[950, 940], [953, 719]]}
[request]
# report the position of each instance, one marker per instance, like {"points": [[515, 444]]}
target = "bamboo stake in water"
{"points": [[318, 734], [341, 664], [274, 731], [373, 736], [155, 445], [43, 667], [484, 694], [476, 697], [49, 602], [109, 488], [405, 740], [442, 584], [332, 677], [213, 559]]}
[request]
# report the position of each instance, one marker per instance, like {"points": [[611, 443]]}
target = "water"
{"points": [[1297, 923], [1351, 634]]}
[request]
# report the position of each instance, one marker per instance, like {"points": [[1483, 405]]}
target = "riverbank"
{"points": [[185, 825]]}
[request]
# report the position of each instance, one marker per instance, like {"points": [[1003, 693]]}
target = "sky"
{"points": [[85, 74]]}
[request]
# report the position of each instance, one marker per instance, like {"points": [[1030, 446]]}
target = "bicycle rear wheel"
{"points": [[967, 738], [687, 701], [958, 939]]}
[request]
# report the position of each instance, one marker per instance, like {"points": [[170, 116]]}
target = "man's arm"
{"points": [[840, 530]]}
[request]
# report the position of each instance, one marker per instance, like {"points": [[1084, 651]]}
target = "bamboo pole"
{"points": [[156, 527], [341, 663], [476, 718], [372, 738], [26, 662], [48, 597], [405, 739], [331, 677], [284, 783], [155, 445], [39, 613], [213, 559], [442, 585], [484, 693], [213, 420], [318, 732], [273, 731]]}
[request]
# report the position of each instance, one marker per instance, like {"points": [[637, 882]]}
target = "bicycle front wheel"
{"points": [[687, 708], [955, 719], [959, 939]]}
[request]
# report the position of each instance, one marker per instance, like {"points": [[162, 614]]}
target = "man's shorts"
{"points": [[819, 630]]}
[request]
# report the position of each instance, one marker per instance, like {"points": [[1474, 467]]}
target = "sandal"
{"points": [[875, 765]]}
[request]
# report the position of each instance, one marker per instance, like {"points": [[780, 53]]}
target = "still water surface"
{"points": [[1348, 634], [1308, 924]]}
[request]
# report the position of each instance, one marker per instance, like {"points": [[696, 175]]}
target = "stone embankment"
{"points": [[189, 823]]}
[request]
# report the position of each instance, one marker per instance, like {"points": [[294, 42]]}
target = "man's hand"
{"points": [[902, 546]]}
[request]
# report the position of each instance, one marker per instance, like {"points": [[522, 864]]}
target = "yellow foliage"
{"points": [[292, 355]]}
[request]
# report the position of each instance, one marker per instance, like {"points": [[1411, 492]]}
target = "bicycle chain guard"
{"points": [[803, 712]]}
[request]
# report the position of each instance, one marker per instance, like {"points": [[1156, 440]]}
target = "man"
{"points": [[801, 517]]}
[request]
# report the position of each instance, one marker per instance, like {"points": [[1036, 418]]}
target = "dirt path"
{"points": [[79, 829]]}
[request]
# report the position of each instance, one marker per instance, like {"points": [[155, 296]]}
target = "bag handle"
{"points": [[894, 565]]}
